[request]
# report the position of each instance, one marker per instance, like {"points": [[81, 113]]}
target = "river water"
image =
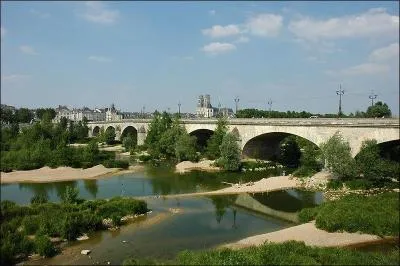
{"points": [[174, 224]]}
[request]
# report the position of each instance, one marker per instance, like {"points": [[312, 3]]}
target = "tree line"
{"points": [[379, 109]]}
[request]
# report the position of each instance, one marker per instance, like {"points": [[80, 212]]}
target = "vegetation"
{"points": [[213, 144], [379, 109], [289, 152], [338, 157], [21, 115], [46, 143], [287, 253], [377, 214], [230, 153], [67, 220], [129, 142], [166, 138]]}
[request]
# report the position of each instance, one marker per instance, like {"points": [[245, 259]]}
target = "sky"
{"points": [[157, 54]]}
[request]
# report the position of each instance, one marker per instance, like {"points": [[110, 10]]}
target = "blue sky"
{"points": [[155, 54]]}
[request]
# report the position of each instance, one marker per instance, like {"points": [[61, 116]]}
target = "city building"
{"points": [[112, 114], [76, 114], [205, 110]]}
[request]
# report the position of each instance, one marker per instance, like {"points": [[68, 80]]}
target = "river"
{"points": [[174, 224]]}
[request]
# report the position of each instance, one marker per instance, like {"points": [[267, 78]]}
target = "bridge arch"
{"points": [[96, 131], [267, 145], [130, 131], [202, 136]]}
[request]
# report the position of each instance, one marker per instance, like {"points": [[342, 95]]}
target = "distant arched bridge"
{"points": [[253, 133]]}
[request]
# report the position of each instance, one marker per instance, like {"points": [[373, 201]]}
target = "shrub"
{"points": [[230, 153], [359, 184], [44, 246], [116, 164], [116, 219], [39, 199], [304, 171], [308, 214], [144, 157], [334, 184], [70, 195], [31, 224]]}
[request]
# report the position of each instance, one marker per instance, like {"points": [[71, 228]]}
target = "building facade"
{"points": [[206, 110], [76, 114]]}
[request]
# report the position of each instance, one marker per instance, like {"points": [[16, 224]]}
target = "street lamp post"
{"points": [[340, 92], [236, 102], [372, 97], [270, 105], [179, 109]]}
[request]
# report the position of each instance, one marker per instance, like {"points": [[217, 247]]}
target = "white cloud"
{"points": [[218, 48], [264, 25], [366, 69], [374, 22], [14, 77], [3, 31], [99, 58], [39, 13], [218, 31], [385, 53], [97, 12], [26, 49], [242, 39], [212, 12]]}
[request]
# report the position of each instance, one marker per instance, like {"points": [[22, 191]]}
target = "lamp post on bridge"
{"points": [[236, 103], [372, 97], [179, 109], [270, 105], [340, 92]]}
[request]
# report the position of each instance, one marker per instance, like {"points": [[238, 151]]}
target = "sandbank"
{"points": [[205, 165], [310, 234], [47, 174]]}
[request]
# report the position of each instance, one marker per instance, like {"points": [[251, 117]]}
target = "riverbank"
{"points": [[310, 234], [47, 174]]}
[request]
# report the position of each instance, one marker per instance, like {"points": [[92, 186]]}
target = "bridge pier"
{"points": [[141, 136]]}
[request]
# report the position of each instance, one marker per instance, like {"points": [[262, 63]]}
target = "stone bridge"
{"points": [[257, 132]]}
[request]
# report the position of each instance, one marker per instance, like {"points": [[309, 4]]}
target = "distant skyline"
{"points": [[157, 54]]}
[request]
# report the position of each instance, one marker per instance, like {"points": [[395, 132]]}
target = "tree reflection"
{"points": [[220, 204], [91, 186], [61, 187], [38, 190]]}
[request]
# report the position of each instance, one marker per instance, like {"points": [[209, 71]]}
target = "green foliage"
{"points": [[378, 214], [379, 109], [109, 136], [307, 214], [144, 157], [70, 195], [116, 164], [41, 113], [287, 253], [338, 157], [334, 184], [44, 247], [289, 152], [129, 143], [39, 199], [255, 113], [185, 148], [55, 219], [213, 144], [230, 153], [370, 163]]}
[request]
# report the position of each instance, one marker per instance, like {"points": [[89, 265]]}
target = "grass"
{"points": [[378, 214], [288, 253]]}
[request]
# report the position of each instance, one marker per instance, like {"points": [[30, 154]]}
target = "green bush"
{"points": [[304, 171], [144, 157], [377, 214], [359, 184], [39, 199], [31, 224], [308, 214], [44, 246], [116, 164], [334, 184]]}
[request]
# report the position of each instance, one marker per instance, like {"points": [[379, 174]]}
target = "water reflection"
{"points": [[92, 187]]}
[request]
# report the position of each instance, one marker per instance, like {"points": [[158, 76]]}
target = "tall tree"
{"points": [[212, 150], [379, 109], [289, 152], [230, 153], [337, 153]]}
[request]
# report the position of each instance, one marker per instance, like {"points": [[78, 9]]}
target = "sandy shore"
{"points": [[47, 174], [308, 233], [187, 166], [264, 185]]}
